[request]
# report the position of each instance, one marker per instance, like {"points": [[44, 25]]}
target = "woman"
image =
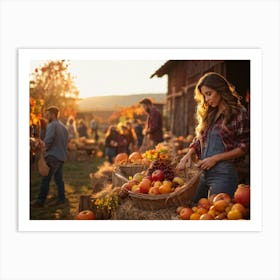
{"points": [[71, 127], [222, 136], [111, 143]]}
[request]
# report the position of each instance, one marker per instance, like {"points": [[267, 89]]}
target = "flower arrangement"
{"points": [[160, 152], [106, 201]]}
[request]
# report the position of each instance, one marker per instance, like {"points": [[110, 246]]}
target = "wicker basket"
{"points": [[174, 199], [130, 169]]}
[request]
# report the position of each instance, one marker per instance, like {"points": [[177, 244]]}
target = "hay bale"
{"points": [[102, 177], [126, 211], [98, 182]]}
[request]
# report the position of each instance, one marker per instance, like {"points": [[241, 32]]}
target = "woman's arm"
{"points": [[209, 162]]}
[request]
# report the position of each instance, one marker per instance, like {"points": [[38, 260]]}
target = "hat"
{"points": [[146, 101]]}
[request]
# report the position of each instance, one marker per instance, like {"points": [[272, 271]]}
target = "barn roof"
{"points": [[165, 68]]}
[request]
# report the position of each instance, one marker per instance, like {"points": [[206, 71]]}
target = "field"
{"points": [[77, 182]]}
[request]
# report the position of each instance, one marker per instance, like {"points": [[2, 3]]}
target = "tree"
{"points": [[54, 84]]}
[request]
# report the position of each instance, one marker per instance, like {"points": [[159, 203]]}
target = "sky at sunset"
{"points": [[114, 77]]}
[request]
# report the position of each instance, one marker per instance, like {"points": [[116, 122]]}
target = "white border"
{"points": [[25, 56]]}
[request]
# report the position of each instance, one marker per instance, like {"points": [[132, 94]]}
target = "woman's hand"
{"points": [[185, 161], [207, 163]]}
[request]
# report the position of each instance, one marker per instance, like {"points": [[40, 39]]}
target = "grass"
{"points": [[77, 182]]}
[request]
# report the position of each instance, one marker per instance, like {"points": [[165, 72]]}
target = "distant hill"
{"points": [[101, 103]]}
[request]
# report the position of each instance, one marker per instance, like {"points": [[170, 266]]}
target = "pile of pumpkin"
{"points": [[219, 207]]}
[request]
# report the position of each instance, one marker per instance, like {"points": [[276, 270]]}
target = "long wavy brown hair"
{"points": [[205, 114]]}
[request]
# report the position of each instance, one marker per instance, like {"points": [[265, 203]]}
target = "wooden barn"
{"points": [[182, 78]]}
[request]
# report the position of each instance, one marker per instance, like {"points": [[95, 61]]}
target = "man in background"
{"points": [[94, 128], [55, 145], [153, 127]]}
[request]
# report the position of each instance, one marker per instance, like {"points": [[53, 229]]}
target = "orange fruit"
{"points": [[195, 216], [234, 215], [220, 205], [202, 210], [204, 203]]}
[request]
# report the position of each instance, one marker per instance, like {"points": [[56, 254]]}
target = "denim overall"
{"points": [[222, 177]]}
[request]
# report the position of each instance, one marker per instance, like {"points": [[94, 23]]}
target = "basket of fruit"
{"points": [[130, 165], [161, 186]]}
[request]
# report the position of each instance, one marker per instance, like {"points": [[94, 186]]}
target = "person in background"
{"points": [[153, 127], [82, 129], [111, 143], [138, 128], [71, 127], [122, 139], [222, 136], [55, 145], [94, 128], [130, 137]]}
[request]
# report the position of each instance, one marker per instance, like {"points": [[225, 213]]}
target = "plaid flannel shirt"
{"points": [[235, 135]]}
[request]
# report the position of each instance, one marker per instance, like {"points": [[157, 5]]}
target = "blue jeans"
{"points": [[56, 170], [110, 153], [220, 178]]}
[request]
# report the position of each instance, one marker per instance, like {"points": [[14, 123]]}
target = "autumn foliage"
{"points": [[127, 113], [52, 84]]}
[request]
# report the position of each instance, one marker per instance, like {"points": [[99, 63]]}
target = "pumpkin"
{"points": [[99, 154], [86, 215], [242, 195], [135, 157], [121, 158]]}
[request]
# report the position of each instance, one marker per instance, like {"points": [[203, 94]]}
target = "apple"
{"points": [[145, 185], [201, 210], [206, 216], [158, 175], [221, 216], [138, 177], [178, 180], [242, 195], [178, 209], [222, 196], [132, 183], [185, 213], [157, 184], [134, 187], [148, 177], [154, 190], [211, 197]]}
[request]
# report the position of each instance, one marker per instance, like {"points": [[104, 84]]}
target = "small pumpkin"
{"points": [[86, 215], [135, 157], [121, 158]]}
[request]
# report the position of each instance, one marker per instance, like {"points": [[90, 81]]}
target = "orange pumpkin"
{"points": [[86, 215], [135, 157], [121, 158]]}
